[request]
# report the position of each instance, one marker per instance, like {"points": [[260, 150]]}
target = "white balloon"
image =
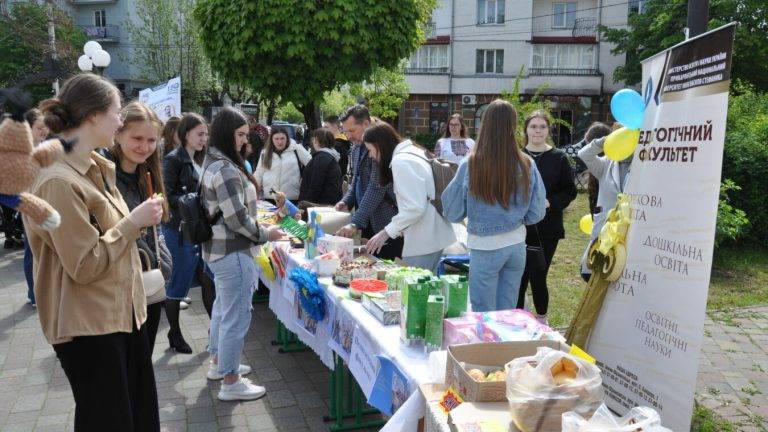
{"points": [[84, 63], [91, 47], [101, 58]]}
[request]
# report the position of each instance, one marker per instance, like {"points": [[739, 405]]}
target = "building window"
{"points": [[490, 11], [564, 14], [100, 18], [636, 6], [554, 56], [429, 58], [489, 62]]}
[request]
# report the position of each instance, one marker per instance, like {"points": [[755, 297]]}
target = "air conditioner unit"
{"points": [[468, 99]]}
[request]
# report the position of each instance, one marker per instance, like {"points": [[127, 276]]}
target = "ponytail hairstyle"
{"points": [[222, 137], [133, 114]]}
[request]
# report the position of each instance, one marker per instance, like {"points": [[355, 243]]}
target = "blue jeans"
{"points": [[494, 281], [186, 260], [236, 280], [28, 271]]}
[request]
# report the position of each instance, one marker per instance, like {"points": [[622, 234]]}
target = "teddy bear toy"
{"points": [[20, 163]]}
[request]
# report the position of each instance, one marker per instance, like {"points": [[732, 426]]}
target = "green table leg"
{"points": [[348, 403], [287, 340]]}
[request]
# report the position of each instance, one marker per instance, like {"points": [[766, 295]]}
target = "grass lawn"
{"points": [[739, 277]]}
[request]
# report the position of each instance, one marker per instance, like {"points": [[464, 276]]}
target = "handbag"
{"points": [[534, 255], [154, 282]]}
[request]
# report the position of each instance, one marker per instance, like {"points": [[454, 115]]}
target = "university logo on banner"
{"points": [[649, 333]]}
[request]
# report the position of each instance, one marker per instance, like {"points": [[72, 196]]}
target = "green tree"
{"points": [[289, 113], [167, 44], [384, 92], [661, 24], [24, 44], [297, 50], [525, 107], [336, 101]]}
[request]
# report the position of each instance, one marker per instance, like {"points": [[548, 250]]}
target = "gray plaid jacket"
{"points": [[378, 203], [225, 189]]}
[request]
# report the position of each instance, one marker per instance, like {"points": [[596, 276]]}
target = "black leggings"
{"points": [[538, 280]]}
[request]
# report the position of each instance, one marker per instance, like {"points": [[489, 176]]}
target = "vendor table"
{"points": [[351, 343]]}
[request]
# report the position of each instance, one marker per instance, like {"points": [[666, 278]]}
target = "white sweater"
{"points": [[423, 229], [284, 175]]}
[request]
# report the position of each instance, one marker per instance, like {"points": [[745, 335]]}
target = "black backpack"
{"points": [[195, 225]]}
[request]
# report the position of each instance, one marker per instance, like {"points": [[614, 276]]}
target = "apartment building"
{"points": [[104, 21], [476, 48]]}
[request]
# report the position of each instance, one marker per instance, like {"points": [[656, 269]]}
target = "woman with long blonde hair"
{"points": [[498, 190], [136, 152]]}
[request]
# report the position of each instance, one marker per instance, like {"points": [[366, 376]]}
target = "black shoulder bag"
{"points": [[195, 225], [534, 255]]}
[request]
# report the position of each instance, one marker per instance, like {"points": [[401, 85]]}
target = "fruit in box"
{"points": [[358, 287]]}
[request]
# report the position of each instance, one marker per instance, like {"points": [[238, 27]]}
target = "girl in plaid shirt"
{"points": [[229, 190]]}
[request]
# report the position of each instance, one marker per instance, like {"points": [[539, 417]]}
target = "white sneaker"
{"points": [[243, 389], [214, 375], [183, 305], [187, 300], [543, 319]]}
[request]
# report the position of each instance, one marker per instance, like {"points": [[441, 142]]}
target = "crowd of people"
{"points": [[123, 190]]}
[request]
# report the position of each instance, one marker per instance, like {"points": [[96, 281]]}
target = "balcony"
{"points": [[107, 34], [558, 71], [91, 2], [585, 27], [426, 71]]}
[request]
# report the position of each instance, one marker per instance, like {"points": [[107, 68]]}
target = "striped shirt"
{"points": [[225, 189]]}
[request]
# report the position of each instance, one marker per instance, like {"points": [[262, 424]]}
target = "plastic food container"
{"points": [[327, 267]]}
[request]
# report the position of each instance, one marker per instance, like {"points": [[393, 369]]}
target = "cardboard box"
{"points": [[481, 417], [487, 356], [343, 247], [386, 309], [330, 220]]}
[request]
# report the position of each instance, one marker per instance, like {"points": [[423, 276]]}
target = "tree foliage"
{"points": [[745, 159], [297, 50], [661, 24], [526, 106], [166, 42], [336, 101], [384, 91], [24, 44]]}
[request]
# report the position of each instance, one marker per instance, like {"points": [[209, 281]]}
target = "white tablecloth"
{"points": [[384, 340]]}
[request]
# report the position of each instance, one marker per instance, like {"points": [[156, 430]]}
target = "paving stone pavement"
{"points": [[35, 394]]}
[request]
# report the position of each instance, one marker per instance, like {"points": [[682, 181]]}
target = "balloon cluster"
{"points": [[628, 109]]}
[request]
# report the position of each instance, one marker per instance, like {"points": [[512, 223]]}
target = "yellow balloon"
{"points": [[621, 144], [585, 224]]}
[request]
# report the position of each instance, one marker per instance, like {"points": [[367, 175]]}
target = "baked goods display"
{"points": [[543, 387], [361, 267]]}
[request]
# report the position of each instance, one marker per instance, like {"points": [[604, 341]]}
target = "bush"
{"points": [[426, 140], [732, 223], [745, 160]]}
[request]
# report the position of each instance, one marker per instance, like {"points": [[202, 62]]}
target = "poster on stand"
{"points": [[649, 333], [164, 99]]}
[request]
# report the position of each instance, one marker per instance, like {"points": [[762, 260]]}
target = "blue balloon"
{"points": [[628, 108]]}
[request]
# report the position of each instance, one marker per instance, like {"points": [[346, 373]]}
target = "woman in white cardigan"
{"points": [[280, 165], [425, 232]]}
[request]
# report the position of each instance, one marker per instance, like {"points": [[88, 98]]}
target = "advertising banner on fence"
{"points": [[649, 333], [164, 99]]}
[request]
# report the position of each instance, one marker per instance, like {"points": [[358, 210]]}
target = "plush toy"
{"points": [[20, 162]]}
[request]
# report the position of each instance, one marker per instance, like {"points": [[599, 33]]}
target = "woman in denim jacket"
{"points": [[499, 190]]}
